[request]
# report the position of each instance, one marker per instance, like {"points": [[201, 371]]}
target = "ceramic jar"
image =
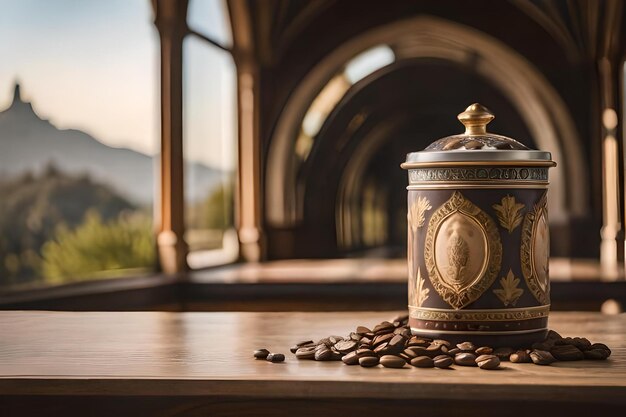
{"points": [[478, 237]]}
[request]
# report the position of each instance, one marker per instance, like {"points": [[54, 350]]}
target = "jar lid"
{"points": [[477, 146]]}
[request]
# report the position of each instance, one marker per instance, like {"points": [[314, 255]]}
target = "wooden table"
{"points": [[158, 363]]}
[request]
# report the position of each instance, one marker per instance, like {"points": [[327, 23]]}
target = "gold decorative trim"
{"points": [[539, 285], [470, 253], [415, 330], [478, 174], [510, 292], [479, 185], [512, 314], [509, 213]]}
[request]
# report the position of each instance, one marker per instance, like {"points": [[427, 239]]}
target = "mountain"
{"points": [[29, 143]]}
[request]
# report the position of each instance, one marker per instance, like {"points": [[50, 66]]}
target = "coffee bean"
{"points": [[298, 345], [275, 357], [345, 346], [323, 354], [544, 345], [541, 357], [406, 333], [433, 350], [321, 346], [418, 341], [381, 349], [601, 346], [484, 350], [465, 359], [503, 353], [351, 358], [582, 343], [335, 354], [362, 330], [325, 342], [335, 339], [261, 353], [596, 354], [366, 340], [368, 361], [384, 327], [417, 350], [564, 341], [567, 353], [365, 352], [406, 357], [443, 361], [383, 338], [306, 352], [392, 361], [355, 336], [453, 352], [521, 356], [442, 342], [466, 347], [422, 362], [397, 341], [488, 362], [552, 335]]}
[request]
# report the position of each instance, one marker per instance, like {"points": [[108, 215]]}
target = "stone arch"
{"points": [[536, 100]]}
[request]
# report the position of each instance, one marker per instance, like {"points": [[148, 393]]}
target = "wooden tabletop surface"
{"points": [[159, 353]]}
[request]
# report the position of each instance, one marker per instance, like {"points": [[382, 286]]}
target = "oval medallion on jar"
{"points": [[535, 251], [462, 251]]}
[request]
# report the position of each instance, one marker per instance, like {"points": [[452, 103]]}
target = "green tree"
{"points": [[215, 212], [95, 246], [33, 206]]}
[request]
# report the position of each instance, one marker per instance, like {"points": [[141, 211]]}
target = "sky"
{"points": [[93, 65]]}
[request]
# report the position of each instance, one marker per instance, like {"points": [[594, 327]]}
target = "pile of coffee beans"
{"points": [[392, 345]]}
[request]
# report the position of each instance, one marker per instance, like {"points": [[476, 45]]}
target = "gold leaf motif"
{"points": [[417, 212], [510, 293], [421, 293], [509, 213]]}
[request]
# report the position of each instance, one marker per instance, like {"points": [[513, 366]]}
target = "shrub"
{"points": [[95, 246]]}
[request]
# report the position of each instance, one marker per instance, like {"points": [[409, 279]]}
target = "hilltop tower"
{"points": [[17, 95], [19, 104]]}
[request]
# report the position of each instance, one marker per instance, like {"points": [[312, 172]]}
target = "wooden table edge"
{"points": [[57, 386]]}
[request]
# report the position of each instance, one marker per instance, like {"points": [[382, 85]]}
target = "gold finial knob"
{"points": [[475, 119]]}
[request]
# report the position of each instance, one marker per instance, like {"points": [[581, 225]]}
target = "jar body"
{"points": [[478, 249]]}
